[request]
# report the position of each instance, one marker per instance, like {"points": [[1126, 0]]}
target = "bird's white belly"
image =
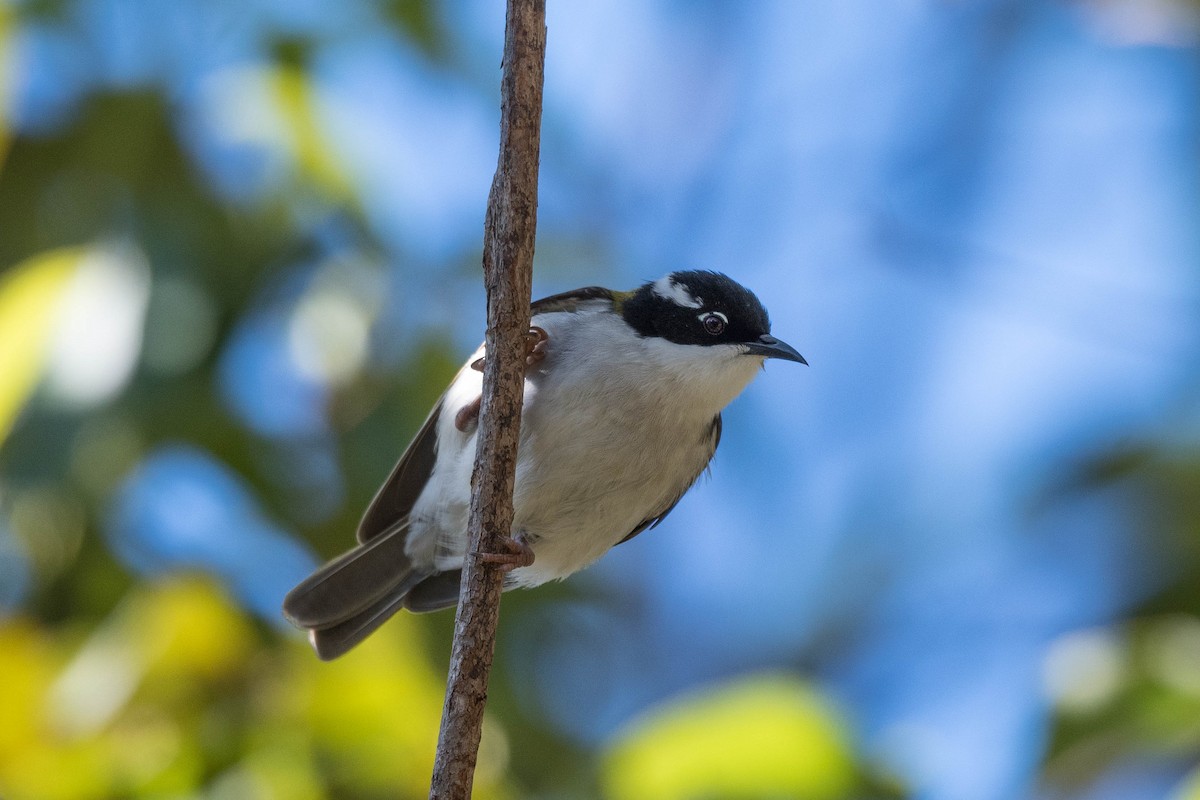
{"points": [[609, 474], [597, 457]]}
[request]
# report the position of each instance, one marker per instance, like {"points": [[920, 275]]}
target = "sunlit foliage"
{"points": [[30, 295], [768, 736], [174, 690]]}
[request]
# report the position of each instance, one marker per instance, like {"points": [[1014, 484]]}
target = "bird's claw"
{"points": [[535, 351], [535, 345], [535, 348], [517, 553]]}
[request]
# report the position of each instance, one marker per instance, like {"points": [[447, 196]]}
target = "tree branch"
{"points": [[509, 231]]}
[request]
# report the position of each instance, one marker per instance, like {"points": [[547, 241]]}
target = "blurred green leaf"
{"points": [[418, 19], [766, 736]]}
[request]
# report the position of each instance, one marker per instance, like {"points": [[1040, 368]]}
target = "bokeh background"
{"points": [[958, 558]]}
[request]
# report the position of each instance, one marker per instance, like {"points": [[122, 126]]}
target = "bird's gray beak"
{"points": [[770, 347]]}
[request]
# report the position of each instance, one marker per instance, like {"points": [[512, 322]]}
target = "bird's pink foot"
{"points": [[467, 417], [517, 553], [535, 348], [535, 345]]}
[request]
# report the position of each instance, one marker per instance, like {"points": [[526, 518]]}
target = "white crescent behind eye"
{"points": [[723, 318]]}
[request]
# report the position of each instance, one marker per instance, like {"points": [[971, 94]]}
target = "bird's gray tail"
{"points": [[348, 598]]}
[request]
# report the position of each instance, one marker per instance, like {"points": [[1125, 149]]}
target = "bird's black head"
{"points": [[704, 308]]}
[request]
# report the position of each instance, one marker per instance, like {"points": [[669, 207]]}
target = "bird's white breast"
{"points": [[615, 426]]}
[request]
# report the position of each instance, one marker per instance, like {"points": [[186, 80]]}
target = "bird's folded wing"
{"points": [[400, 491]]}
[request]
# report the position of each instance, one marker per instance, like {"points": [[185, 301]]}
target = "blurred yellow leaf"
{"points": [[293, 91], [162, 641], [194, 630], [154, 754], [34, 762], [376, 710], [29, 300], [284, 769], [26, 669], [79, 770], [766, 736]]}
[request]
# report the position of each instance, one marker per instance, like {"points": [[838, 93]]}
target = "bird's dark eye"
{"points": [[714, 323]]}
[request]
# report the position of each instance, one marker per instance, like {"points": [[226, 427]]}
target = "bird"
{"points": [[621, 414]]}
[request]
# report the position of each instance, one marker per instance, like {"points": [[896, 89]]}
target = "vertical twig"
{"points": [[509, 230]]}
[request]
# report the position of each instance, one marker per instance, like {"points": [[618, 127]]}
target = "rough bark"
{"points": [[509, 230]]}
